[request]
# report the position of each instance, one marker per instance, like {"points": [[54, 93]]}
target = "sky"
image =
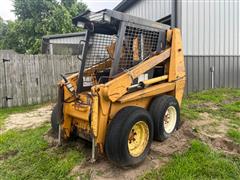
{"points": [[6, 7]]}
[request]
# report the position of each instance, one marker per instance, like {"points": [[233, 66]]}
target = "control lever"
{"points": [[69, 86]]}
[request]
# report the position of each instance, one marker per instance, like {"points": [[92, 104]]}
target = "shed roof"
{"points": [[56, 36], [124, 4]]}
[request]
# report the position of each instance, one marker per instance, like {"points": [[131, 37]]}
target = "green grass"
{"points": [[26, 155], [234, 107], [5, 112], [234, 135], [216, 95], [226, 101], [199, 162]]}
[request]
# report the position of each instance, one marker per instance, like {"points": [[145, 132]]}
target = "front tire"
{"points": [[165, 112], [129, 136]]}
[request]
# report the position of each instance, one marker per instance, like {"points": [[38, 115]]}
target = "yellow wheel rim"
{"points": [[138, 138]]}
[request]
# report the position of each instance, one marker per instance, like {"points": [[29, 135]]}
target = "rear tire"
{"points": [[129, 136], [165, 112]]}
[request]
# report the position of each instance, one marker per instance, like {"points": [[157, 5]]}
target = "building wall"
{"points": [[151, 9], [67, 40], [63, 45], [209, 27], [206, 72]]}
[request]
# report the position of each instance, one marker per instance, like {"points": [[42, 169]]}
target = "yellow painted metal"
{"points": [[136, 49], [94, 110], [179, 91], [148, 92], [100, 66], [176, 67], [103, 114], [117, 106], [138, 138], [155, 80], [169, 37]]}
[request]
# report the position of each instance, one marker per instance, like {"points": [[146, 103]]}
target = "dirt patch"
{"points": [[213, 132], [51, 138], [238, 115], [159, 155], [7, 155], [208, 125], [226, 145], [209, 105], [204, 120], [231, 100], [28, 120], [223, 144]]}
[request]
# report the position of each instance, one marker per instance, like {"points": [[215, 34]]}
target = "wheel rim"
{"points": [[170, 119], [138, 138]]}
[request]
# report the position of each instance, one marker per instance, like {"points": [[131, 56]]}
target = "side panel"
{"points": [[117, 106]]}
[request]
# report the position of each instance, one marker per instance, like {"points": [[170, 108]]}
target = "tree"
{"points": [[3, 29], [36, 19], [74, 7], [8, 35]]}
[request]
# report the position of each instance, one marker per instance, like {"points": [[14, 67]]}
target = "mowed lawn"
{"points": [[27, 155]]}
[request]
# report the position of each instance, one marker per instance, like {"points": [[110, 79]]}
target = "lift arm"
{"points": [[118, 86]]}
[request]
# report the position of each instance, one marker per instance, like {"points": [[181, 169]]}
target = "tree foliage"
{"points": [[36, 19]]}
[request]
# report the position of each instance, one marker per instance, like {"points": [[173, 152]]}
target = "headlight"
{"points": [[80, 24], [107, 18], [99, 17]]}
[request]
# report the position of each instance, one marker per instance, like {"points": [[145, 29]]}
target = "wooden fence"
{"points": [[32, 79]]}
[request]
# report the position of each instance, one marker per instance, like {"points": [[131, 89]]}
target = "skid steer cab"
{"points": [[129, 87]]}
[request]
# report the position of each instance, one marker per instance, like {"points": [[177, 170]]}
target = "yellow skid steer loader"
{"points": [[128, 89]]}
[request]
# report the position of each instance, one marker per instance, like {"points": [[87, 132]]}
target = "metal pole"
{"points": [[212, 76], [59, 135], [174, 14], [93, 159], [118, 49]]}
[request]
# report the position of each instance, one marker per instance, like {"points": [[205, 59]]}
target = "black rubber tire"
{"points": [[157, 110], [54, 120], [116, 143]]}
